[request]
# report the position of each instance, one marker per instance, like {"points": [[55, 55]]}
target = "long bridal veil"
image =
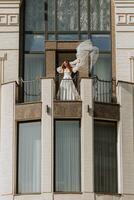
{"points": [[85, 51]]}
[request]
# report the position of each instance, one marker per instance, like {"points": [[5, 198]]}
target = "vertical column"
{"points": [[87, 136], [132, 69], [6, 140], [47, 136], [126, 138], [9, 38]]}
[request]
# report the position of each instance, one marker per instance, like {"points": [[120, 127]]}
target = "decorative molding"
{"points": [[132, 68], [2, 63], [4, 57], [125, 19], [9, 19]]}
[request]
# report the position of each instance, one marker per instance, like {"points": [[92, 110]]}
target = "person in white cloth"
{"points": [[85, 50], [67, 90]]}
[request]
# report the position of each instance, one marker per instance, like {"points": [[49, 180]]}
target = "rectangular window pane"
{"points": [[103, 42], [29, 157], [103, 67], [100, 15], [68, 37], [67, 156], [34, 42], [105, 157], [34, 15], [51, 15], [34, 68], [103, 70], [84, 15], [51, 37], [67, 15]]}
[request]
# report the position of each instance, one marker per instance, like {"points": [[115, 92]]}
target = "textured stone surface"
{"points": [[67, 109], [126, 138], [30, 111], [47, 135], [7, 138], [87, 136]]}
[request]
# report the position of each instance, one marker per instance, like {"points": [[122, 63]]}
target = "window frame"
{"points": [[54, 153], [22, 39], [17, 157], [115, 124], [89, 32]]}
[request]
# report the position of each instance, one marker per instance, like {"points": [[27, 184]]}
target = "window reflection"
{"points": [[83, 15], [51, 15], [100, 15], [67, 15], [103, 68], [103, 42], [34, 15], [67, 37], [34, 42]]}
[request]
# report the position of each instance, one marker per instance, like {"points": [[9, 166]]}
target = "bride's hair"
{"points": [[67, 66]]}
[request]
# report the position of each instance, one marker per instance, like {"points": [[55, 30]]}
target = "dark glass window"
{"points": [[67, 15], [102, 41], [29, 157], [67, 156], [32, 62], [105, 157], [34, 42], [103, 69], [34, 15], [61, 56], [100, 15], [76, 17]]}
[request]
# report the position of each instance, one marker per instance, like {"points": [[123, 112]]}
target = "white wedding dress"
{"points": [[67, 90]]}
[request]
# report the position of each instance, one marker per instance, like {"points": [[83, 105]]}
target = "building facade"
{"points": [[52, 149]]}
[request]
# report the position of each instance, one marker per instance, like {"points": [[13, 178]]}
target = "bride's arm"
{"points": [[60, 70]]}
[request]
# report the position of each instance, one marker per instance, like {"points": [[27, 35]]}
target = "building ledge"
{"points": [[67, 109], [28, 111], [107, 111]]}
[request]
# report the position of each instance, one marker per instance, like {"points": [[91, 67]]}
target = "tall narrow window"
{"points": [[105, 157], [67, 156], [32, 64], [29, 157]]}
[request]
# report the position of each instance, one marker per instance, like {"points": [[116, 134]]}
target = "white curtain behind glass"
{"points": [[34, 17], [29, 172], [105, 160], [67, 15], [100, 15], [103, 70], [34, 65], [67, 156]]}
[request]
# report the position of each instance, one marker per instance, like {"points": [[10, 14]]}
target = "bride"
{"points": [[67, 90]]}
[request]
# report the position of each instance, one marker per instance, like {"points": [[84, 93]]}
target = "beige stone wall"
{"points": [[7, 142], [124, 21], [47, 135], [126, 139], [87, 136], [9, 39]]}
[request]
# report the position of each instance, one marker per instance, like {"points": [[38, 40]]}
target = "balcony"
{"points": [[30, 91], [104, 91], [67, 89]]}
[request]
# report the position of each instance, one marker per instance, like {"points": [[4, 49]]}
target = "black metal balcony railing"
{"points": [[67, 89], [104, 91], [29, 91]]}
